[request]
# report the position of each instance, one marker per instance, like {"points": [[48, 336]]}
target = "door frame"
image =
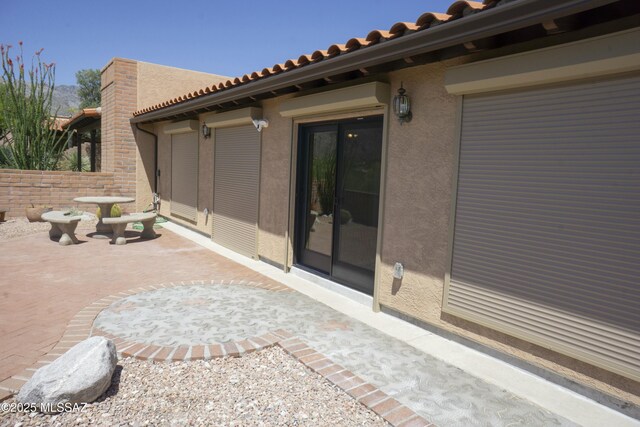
{"points": [[300, 226], [294, 124], [299, 202]]}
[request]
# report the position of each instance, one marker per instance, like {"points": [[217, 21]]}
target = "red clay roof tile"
{"points": [[304, 60], [318, 55], [356, 43], [461, 7], [400, 28], [427, 19], [375, 35], [456, 10], [336, 49]]}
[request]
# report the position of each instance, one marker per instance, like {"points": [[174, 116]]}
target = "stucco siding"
{"points": [[274, 184], [205, 180], [157, 83], [420, 166], [417, 211], [144, 169], [164, 166], [205, 183], [418, 188]]}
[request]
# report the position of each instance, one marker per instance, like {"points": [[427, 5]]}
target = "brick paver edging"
{"points": [[81, 327], [394, 412]]}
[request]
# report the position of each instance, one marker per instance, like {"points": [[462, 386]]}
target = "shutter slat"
{"points": [[538, 323], [546, 318], [547, 227]]}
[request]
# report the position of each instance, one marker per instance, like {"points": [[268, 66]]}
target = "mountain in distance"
{"points": [[65, 100]]}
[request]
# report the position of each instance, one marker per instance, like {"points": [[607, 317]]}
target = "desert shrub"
{"points": [[5, 157], [69, 162], [26, 121]]}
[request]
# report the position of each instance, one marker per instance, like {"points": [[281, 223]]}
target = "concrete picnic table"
{"points": [[105, 203]]}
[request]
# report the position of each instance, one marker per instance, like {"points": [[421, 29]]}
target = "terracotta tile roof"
{"points": [[456, 10], [86, 112], [58, 123]]}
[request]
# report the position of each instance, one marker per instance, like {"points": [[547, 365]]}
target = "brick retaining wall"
{"points": [[20, 188]]}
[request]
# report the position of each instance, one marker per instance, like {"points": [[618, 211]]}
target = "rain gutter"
{"points": [[500, 19]]}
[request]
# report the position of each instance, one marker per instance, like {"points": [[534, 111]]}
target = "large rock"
{"points": [[80, 375]]}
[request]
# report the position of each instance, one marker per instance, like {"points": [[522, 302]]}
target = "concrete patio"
{"points": [[44, 285]]}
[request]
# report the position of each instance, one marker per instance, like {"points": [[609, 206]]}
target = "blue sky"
{"points": [[223, 37]]}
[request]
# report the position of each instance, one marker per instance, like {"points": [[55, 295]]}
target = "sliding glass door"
{"points": [[338, 196]]}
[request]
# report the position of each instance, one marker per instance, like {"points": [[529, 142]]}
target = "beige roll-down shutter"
{"points": [[547, 225], [184, 175], [236, 184]]}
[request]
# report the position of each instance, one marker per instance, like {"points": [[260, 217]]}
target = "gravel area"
{"points": [[266, 388], [16, 227]]}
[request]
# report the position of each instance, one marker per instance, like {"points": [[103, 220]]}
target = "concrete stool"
{"points": [[62, 226]]}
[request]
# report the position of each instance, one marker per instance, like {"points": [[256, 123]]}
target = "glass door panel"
{"points": [[319, 193], [338, 195], [358, 197]]}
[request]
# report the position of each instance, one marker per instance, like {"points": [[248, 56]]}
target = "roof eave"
{"points": [[83, 115], [507, 17]]}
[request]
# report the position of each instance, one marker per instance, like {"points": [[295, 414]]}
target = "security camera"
{"points": [[260, 124]]}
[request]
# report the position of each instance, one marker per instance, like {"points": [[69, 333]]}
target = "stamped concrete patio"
{"points": [[43, 286]]}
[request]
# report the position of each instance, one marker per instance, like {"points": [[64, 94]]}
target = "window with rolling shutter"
{"points": [[184, 175], [546, 242], [236, 188]]}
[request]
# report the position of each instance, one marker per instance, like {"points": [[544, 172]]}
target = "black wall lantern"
{"points": [[206, 131], [402, 106]]}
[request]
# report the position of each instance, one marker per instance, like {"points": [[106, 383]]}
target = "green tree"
{"points": [[88, 88], [31, 140]]}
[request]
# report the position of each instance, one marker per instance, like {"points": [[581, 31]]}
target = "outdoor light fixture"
{"points": [[402, 106], [260, 124], [206, 131]]}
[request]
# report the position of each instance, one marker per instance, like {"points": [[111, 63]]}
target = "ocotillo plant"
{"points": [[25, 113]]}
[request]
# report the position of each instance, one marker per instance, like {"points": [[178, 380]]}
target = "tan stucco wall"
{"points": [[417, 212], [205, 184], [205, 180], [158, 83], [420, 167], [144, 168], [274, 183], [416, 218], [164, 166]]}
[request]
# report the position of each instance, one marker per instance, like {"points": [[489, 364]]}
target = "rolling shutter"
{"points": [[184, 175], [547, 227], [236, 183]]}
